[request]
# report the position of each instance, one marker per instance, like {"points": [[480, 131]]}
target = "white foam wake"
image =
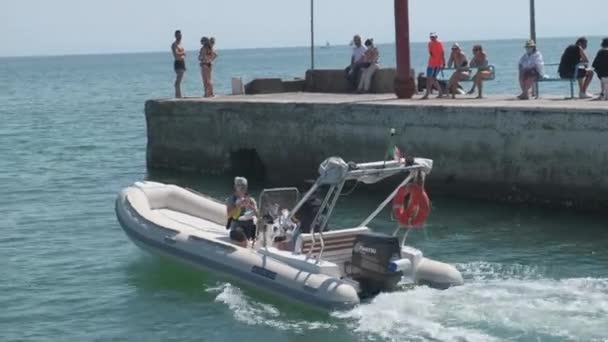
{"points": [[498, 302], [246, 310], [490, 306]]}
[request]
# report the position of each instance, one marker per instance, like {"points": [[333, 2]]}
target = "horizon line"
{"points": [[256, 48]]}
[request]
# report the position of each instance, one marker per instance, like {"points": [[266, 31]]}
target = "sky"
{"points": [[56, 27]]}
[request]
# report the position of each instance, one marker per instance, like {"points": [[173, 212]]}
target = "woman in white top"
{"points": [[370, 58], [531, 67]]}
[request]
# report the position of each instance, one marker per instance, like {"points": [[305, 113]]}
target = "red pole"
{"points": [[405, 87]]}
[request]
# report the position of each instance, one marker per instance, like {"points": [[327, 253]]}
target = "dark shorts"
{"points": [[432, 71], [582, 72], [179, 66], [246, 227], [531, 73], [238, 235]]}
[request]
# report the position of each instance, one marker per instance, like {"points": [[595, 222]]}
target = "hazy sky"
{"points": [[49, 27]]}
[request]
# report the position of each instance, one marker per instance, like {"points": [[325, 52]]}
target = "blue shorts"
{"points": [[432, 71]]}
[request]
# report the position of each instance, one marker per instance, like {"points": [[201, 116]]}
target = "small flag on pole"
{"points": [[392, 151], [397, 155]]}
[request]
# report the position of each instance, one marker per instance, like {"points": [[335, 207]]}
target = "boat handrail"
{"points": [[318, 216], [356, 174], [303, 200], [327, 216]]}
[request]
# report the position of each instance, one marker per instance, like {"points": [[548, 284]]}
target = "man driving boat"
{"points": [[241, 210]]}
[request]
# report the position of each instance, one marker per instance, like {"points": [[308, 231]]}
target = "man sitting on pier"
{"points": [[356, 62]]}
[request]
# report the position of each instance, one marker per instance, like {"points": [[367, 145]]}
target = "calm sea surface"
{"points": [[72, 134]]}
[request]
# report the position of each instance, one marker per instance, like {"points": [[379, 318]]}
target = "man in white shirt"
{"points": [[356, 62]]}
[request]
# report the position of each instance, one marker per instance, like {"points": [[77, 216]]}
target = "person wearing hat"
{"points": [[531, 67], [241, 210], [435, 64], [459, 61]]}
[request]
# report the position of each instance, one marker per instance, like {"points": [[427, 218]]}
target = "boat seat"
{"points": [[191, 221], [178, 199], [338, 244]]}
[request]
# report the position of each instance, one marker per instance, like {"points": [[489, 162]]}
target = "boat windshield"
{"points": [[273, 201]]}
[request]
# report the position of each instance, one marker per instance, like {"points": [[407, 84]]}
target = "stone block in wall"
{"points": [[326, 81], [384, 81], [334, 81], [264, 86], [293, 86]]}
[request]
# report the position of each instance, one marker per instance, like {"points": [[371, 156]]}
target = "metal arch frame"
{"points": [[380, 169]]}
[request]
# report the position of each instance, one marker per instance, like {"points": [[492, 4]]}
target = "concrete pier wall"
{"points": [[499, 150]]}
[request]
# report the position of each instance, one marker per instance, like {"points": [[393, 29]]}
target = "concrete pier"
{"points": [[552, 151]]}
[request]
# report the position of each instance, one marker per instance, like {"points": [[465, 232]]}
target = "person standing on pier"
{"points": [[575, 64], [206, 57], [179, 62], [436, 63], [600, 64]]}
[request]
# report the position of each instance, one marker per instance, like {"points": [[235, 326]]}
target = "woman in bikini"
{"points": [[206, 57], [479, 61], [458, 60]]}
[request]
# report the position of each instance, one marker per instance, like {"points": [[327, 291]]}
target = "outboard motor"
{"points": [[372, 256]]}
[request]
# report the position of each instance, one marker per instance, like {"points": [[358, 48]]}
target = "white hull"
{"points": [[175, 222], [205, 244]]}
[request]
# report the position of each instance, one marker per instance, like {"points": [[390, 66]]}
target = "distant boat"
{"points": [[327, 46]]}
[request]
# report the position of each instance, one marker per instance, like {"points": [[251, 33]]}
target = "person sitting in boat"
{"points": [[237, 235], [241, 210], [304, 218]]}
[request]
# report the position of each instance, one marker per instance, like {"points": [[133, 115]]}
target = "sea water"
{"points": [[72, 134]]}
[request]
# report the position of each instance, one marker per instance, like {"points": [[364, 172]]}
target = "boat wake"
{"points": [[497, 302], [247, 310]]}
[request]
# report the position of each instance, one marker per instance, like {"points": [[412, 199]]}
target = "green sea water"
{"points": [[72, 134]]}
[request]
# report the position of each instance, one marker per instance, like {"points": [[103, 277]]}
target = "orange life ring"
{"points": [[413, 212]]}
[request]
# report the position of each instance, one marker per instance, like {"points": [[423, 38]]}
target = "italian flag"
{"points": [[393, 152]]}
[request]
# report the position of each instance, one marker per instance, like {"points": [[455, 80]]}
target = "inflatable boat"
{"points": [[327, 268]]}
